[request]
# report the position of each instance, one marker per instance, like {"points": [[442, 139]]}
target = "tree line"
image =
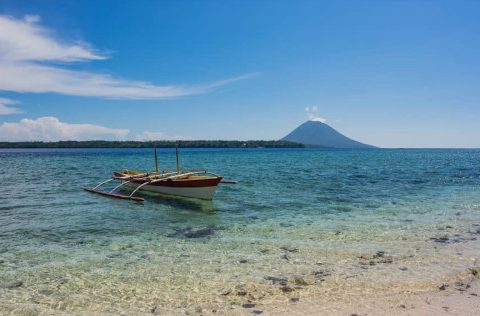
{"points": [[160, 143]]}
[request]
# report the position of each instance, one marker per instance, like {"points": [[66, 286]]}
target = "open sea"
{"points": [[300, 224]]}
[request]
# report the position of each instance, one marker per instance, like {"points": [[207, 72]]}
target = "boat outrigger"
{"points": [[199, 184]]}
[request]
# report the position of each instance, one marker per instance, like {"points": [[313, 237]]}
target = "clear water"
{"points": [[331, 223]]}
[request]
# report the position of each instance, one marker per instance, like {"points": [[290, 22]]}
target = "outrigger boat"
{"points": [[199, 184]]}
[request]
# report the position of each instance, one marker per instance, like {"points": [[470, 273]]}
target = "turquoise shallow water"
{"points": [[301, 222]]}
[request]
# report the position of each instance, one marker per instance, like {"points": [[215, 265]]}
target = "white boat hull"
{"points": [[205, 193]]}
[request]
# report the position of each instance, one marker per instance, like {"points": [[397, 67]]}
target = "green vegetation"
{"points": [[149, 144]]}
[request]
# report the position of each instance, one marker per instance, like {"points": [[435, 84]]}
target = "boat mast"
{"points": [[176, 154], [156, 160]]}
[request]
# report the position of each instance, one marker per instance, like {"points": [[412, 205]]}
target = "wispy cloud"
{"points": [[27, 51], [312, 114], [6, 108], [29, 77], [50, 129]]}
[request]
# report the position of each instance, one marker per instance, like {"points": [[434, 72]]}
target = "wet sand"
{"points": [[458, 297], [461, 297]]}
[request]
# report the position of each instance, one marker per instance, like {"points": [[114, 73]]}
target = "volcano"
{"points": [[318, 134]]}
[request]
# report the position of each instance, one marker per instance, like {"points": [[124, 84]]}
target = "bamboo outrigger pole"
{"points": [[176, 154], [156, 160]]}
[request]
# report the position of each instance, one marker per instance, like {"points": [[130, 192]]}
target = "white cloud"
{"points": [[29, 77], [51, 129], [25, 40], [312, 114], [148, 135], [6, 108], [26, 48]]}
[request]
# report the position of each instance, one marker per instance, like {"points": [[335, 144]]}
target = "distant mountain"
{"points": [[318, 134]]}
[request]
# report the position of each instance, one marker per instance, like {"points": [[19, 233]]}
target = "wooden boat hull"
{"points": [[198, 187], [199, 184]]}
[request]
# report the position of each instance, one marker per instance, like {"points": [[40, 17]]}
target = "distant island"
{"points": [[309, 134], [160, 143], [318, 134]]}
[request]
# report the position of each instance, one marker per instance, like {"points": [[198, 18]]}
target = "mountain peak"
{"points": [[317, 133]]}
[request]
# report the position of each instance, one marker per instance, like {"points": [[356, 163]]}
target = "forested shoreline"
{"points": [[161, 143]]}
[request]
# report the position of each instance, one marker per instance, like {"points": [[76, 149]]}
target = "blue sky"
{"points": [[388, 73]]}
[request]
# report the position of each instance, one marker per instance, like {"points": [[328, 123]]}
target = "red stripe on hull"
{"points": [[184, 183]]}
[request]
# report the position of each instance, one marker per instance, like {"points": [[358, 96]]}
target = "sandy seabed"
{"points": [[456, 298], [459, 296]]}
